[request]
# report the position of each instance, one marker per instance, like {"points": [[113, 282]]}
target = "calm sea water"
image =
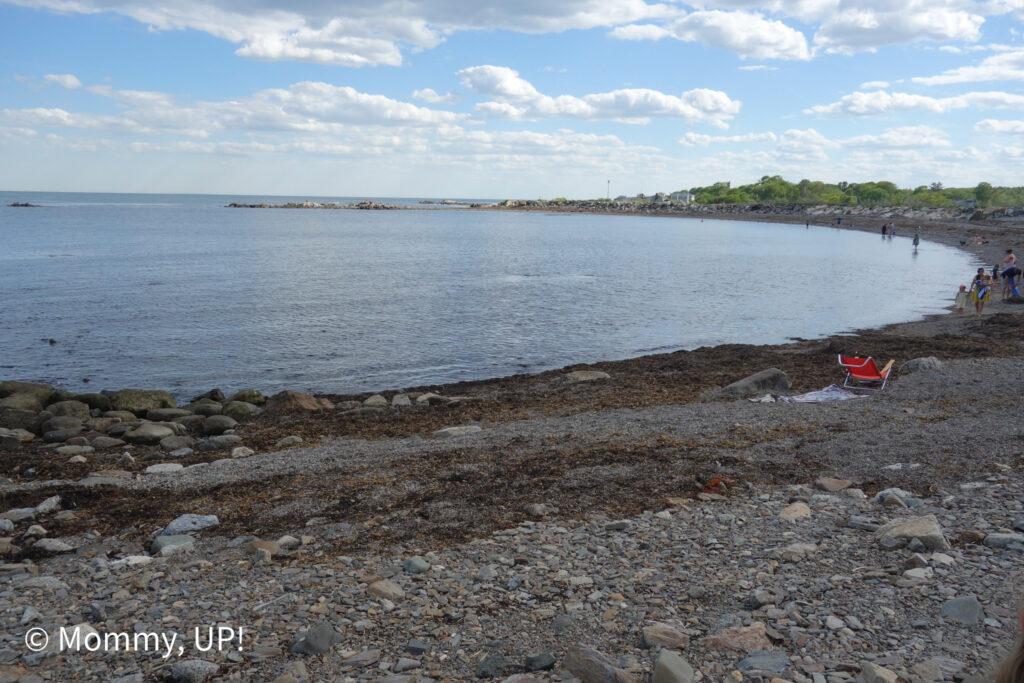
{"points": [[179, 293]]}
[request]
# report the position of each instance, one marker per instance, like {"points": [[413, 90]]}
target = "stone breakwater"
{"points": [[364, 205], [747, 210]]}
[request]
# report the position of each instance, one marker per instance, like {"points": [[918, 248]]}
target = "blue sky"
{"points": [[498, 99]]}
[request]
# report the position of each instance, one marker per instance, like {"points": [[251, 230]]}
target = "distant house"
{"points": [[681, 197]]}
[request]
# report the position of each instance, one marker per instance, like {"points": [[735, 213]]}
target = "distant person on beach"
{"points": [[981, 290], [961, 300], [1011, 277], [1012, 668], [885, 229], [917, 237]]}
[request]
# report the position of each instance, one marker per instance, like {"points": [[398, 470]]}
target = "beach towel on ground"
{"points": [[832, 392]]}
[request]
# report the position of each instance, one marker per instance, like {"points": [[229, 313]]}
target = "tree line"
{"points": [[776, 190]]}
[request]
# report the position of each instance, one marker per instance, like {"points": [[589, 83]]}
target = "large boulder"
{"points": [[69, 409], [287, 402], [140, 401], [249, 396], [767, 381], [94, 401], [43, 391], [925, 529], [927, 363], [12, 418], [24, 400], [239, 410]]}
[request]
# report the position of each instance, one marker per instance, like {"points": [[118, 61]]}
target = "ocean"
{"points": [[178, 292]]}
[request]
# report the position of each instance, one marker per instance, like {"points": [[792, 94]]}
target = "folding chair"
{"points": [[864, 371]]}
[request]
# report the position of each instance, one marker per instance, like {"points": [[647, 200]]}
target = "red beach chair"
{"points": [[863, 371]]}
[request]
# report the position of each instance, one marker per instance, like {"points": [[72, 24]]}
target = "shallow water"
{"points": [[178, 292]]}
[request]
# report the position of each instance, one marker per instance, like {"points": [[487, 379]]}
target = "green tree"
{"points": [[983, 194]]}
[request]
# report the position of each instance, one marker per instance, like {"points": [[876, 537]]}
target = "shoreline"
{"points": [[533, 528]]}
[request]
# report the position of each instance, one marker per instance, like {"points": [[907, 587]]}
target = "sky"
{"points": [[502, 99]]}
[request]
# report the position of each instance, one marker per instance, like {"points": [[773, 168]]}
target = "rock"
{"points": [[218, 424], [102, 443], [763, 660], [288, 542], [62, 422], [148, 433], [416, 565], [795, 511], [19, 514], [23, 401], [925, 529], [832, 485], [540, 510], [75, 409], [1003, 540], [363, 658], [242, 452], [43, 392], [51, 504], [461, 430], [666, 635], [180, 453], [287, 402], [164, 468], [9, 442], [376, 401], [248, 396], [12, 418], [926, 364], [966, 610], [140, 401], [671, 668], [193, 671], [6, 526], [94, 401], [52, 545], [189, 522], [206, 407], [578, 376], [75, 450], [174, 443], [540, 661], [491, 666], [771, 380], [591, 666], [215, 443], [253, 547], [166, 546], [873, 673], [288, 441], [400, 401], [794, 552], [386, 589], [405, 664], [739, 638], [240, 410], [318, 640], [166, 414]]}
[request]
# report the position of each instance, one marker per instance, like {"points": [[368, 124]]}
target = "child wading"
{"points": [[961, 299]]}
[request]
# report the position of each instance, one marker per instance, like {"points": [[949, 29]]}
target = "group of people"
{"points": [[981, 286]]}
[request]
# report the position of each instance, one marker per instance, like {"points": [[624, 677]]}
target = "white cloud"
{"points": [[359, 32], [1004, 66], [515, 98], [693, 139], [996, 126], [757, 67], [68, 81], [748, 34], [874, 85], [881, 102], [860, 26], [431, 96]]}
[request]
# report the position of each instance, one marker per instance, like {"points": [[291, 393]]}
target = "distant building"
{"points": [[681, 197]]}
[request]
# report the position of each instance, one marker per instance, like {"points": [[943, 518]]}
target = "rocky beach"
{"points": [[622, 521]]}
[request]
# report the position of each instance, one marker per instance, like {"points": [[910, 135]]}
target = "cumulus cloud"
{"points": [[874, 85], [516, 98], [359, 32], [757, 67], [747, 34], [996, 126], [693, 139], [1003, 66], [68, 81], [881, 102], [857, 27], [905, 137]]}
